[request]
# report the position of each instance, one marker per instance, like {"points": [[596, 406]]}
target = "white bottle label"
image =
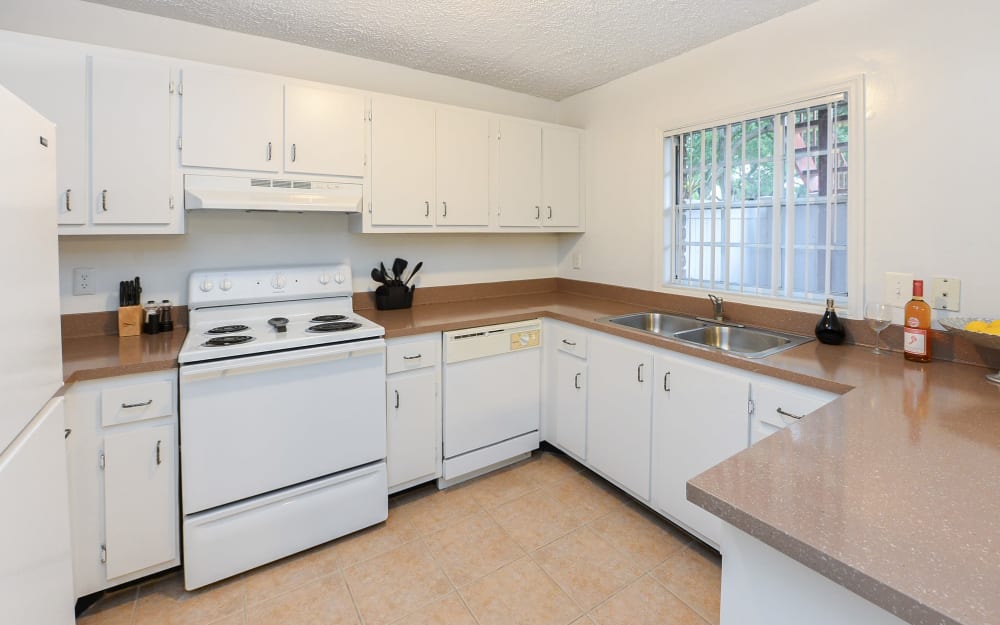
{"points": [[915, 341]]}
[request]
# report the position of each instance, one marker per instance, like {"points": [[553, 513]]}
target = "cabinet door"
{"points": [[140, 498], [618, 413], [230, 120], [560, 177], [462, 156], [54, 83], [130, 143], [402, 162], [570, 413], [520, 174], [324, 131], [700, 418], [412, 426]]}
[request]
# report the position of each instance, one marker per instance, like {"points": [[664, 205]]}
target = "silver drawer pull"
{"points": [[104, 200], [550, 212], [412, 357], [69, 207], [427, 208], [538, 212], [785, 413], [268, 150], [293, 152], [666, 381], [138, 405], [570, 343], [445, 204], [397, 399], [576, 381], [67, 431], [158, 461], [638, 372]]}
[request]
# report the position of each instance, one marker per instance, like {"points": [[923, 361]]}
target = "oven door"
{"points": [[255, 424]]}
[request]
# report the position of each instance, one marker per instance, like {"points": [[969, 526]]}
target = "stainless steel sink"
{"points": [[736, 340], [742, 341], [663, 324]]}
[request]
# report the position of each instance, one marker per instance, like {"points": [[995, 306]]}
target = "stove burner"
{"points": [[228, 329], [327, 318], [336, 326], [223, 341]]}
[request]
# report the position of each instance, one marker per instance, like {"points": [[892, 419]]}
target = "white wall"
{"points": [[236, 240], [932, 99]]}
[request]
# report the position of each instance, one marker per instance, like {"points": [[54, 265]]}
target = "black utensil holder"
{"points": [[393, 297]]}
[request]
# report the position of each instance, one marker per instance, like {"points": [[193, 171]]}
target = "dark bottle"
{"points": [[829, 330]]}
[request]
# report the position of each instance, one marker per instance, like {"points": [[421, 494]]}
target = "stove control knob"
{"points": [[206, 285], [339, 278], [278, 281], [226, 284], [324, 278]]}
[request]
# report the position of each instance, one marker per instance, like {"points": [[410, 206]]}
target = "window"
{"points": [[759, 205]]}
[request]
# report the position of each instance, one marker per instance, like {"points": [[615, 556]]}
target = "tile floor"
{"points": [[544, 542]]}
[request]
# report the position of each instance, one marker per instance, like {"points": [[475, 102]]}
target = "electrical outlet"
{"points": [[577, 260], [946, 293], [898, 288], [83, 280]]}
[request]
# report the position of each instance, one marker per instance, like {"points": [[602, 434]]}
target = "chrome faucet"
{"points": [[717, 303]]}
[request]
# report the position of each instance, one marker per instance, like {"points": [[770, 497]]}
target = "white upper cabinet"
{"points": [[53, 81], [324, 131], [130, 148], [539, 175], [402, 173], [519, 172], [560, 177], [462, 159], [230, 120]]}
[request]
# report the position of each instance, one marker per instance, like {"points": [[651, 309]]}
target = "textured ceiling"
{"points": [[547, 48]]}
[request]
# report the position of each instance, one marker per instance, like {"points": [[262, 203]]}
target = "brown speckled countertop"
{"points": [[892, 491], [92, 357]]}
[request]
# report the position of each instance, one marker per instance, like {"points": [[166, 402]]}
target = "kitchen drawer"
{"points": [[409, 355], [775, 403], [137, 402], [571, 340]]}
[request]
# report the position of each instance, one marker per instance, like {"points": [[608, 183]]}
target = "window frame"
{"points": [[854, 88]]}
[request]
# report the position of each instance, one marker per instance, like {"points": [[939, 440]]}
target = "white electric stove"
{"points": [[282, 402]]}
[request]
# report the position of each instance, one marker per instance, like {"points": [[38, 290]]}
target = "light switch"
{"points": [[946, 293], [898, 288]]}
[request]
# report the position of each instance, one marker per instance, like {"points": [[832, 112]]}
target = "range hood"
{"points": [[270, 194]]}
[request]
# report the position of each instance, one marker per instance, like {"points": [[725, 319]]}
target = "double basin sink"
{"points": [[738, 340]]}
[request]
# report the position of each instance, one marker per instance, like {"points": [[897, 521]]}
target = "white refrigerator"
{"points": [[36, 585]]}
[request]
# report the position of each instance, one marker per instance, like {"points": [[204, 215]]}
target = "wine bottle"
{"points": [[830, 330], [917, 326]]}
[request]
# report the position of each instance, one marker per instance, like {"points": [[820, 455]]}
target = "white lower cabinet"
{"points": [[123, 478], [569, 416], [619, 410], [700, 418], [413, 410], [777, 404]]}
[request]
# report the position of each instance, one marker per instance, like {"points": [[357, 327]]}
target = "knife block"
{"points": [[129, 320]]}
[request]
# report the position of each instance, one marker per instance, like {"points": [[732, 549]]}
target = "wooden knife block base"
{"points": [[130, 320]]}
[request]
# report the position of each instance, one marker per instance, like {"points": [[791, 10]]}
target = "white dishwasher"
{"points": [[492, 383]]}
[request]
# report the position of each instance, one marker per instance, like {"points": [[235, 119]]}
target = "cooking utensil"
{"points": [[377, 276], [398, 267], [385, 274], [414, 272]]}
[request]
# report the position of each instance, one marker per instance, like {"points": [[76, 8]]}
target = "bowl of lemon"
{"points": [[982, 332]]}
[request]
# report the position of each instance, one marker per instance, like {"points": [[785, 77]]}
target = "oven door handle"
{"points": [[270, 362]]}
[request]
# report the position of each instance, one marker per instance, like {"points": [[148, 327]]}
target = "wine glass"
{"points": [[878, 316]]}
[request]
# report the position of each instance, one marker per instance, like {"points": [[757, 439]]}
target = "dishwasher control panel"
{"points": [[524, 338]]}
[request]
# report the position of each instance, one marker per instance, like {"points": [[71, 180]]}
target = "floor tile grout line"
{"points": [[354, 602], [679, 598]]}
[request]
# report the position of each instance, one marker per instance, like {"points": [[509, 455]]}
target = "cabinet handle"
{"points": [[268, 150], [666, 381], [576, 381], [427, 208], [158, 460], [69, 203], [638, 372], [67, 432], [570, 343], [293, 152], [538, 212], [550, 212], [137, 405], [785, 413], [412, 357], [104, 200], [445, 204], [397, 399]]}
